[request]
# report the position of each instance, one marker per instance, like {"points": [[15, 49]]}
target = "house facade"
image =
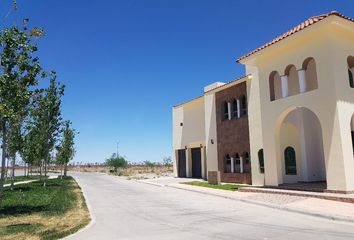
{"points": [[290, 119]]}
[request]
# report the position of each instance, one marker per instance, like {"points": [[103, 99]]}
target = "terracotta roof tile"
{"points": [[296, 29]]}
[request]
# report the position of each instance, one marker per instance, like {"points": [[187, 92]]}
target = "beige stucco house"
{"points": [[289, 119]]}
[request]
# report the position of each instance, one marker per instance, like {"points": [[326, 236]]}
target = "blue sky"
{"points": [[126, 63]]}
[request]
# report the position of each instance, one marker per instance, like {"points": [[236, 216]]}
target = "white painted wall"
{"points": [[210, 132]]}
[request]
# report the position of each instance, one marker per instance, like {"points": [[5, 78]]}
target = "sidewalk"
{"points": [[29, 181], [339, 211]]}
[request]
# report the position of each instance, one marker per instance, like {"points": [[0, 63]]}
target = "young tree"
{"points": [[46, 122], [15, 142], [19, 72], [66, 148], [116, 162]]}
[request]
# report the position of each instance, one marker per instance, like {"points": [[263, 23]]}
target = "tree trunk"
{"points": [[13, 172], [40, 171], [45, 174], [3, 157], [65, 169], [7, 168]]}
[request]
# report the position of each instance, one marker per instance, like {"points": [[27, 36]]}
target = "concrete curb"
{"points": [[279, 207], [92, 216], [151, 183]]}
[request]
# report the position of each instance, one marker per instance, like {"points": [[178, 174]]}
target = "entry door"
{"points": [[196, 163], [182, 163]]}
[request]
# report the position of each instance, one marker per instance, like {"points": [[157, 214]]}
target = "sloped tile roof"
{"points": [[301, 26]]}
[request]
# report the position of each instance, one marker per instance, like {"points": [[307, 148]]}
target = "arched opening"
{"points": [[227, 164], [290, 161], [350, 61], [246, 162], [226, 111], [235, 109], [243, 103], [275, 86], [301, 146], [352, 131], [309, 65], [293, 80], [236, 163], [261, 160]]}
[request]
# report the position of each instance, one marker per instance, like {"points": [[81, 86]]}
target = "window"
{"points": [[237, 163], [261, 160], [243, 105], [226, 111], [350, 61], [290, 161], [353, 140], [246, 162], [234, 109], [351, 81], [227, 168]]}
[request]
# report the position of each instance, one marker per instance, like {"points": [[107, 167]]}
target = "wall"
{"points": [[192, 133], [329, 42], [232, 135]]}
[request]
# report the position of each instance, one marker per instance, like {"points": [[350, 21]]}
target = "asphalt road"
{"points": [[124, 209]]}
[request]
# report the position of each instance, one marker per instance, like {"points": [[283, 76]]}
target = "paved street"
{"points": [[126, 209]]}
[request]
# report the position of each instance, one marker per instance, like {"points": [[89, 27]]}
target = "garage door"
{"points": [[182, 163], [196, 163]]}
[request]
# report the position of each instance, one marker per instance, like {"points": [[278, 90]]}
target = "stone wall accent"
{"points": [[232, 135]]}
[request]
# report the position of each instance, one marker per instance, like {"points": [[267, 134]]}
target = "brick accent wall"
{"points": [[232, 135]]}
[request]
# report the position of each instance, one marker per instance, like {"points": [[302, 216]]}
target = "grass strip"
{"points": [[228, 186], [32, 211]]}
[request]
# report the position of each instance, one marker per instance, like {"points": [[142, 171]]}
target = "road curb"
{"points": [[150, 183], [92, 216], [279, 207]]}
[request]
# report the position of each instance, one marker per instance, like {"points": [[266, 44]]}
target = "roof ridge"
{"points": [[308, 22]]}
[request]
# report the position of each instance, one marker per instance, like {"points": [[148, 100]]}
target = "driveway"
{"points": [[126, 209]]}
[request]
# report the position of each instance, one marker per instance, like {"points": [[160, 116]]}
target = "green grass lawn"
{"points": [[228, 187], [32, 211]]}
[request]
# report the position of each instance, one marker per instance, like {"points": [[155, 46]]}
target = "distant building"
{"points": [[290, 119]]}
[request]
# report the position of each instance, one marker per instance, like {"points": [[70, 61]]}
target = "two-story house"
{"points": [[290, 119]]}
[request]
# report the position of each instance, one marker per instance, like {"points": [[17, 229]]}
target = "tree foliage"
{"points": [[66, 148], [116, 162]]}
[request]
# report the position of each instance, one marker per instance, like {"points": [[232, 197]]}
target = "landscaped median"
{"points": [[229, 187], [32, 211]]}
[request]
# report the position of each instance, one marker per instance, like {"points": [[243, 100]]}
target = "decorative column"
{"points": [[241, 164], [229, 109], [302, 80], [284, 86], [238, 109], [232, 165]]}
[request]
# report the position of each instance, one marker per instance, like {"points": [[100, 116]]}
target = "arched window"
{"points": [[234, 109], [352, 131], [227, 168], [237, 163], [350, 61], [309, 65], [261, 160], [246, 162], [293, 80], [274, 86], [243, 102], [226, 111], [290, 161]]}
